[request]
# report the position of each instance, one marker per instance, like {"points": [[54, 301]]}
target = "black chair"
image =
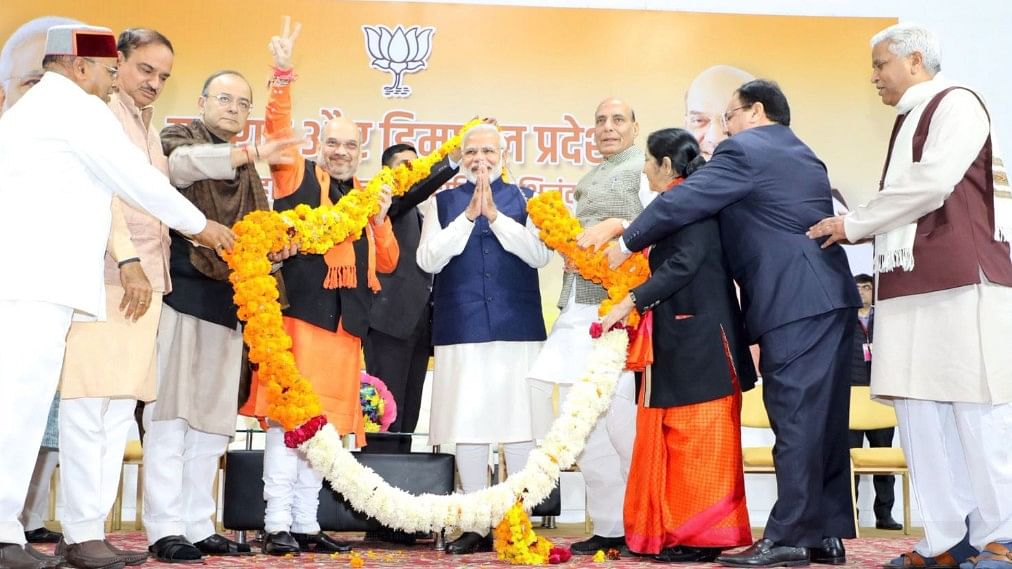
{"points": [[244, 504]]}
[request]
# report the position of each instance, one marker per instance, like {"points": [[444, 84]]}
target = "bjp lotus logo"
{"points": [[398, 52]]}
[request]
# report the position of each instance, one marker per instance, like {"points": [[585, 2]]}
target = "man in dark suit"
{"points": [[860, 374], [767, 188], [398, 344]]}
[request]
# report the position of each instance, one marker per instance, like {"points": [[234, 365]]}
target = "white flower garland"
{"points": [[368, 493]]}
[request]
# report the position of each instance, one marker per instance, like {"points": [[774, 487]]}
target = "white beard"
{"points": [[493, 175]]}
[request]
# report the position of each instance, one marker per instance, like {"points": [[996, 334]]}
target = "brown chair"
{"points": [[865, 415], [132, 454]]}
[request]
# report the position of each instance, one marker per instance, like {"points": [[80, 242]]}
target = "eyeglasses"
{"points": [[730, 114], [112, 70], [225, 100]]}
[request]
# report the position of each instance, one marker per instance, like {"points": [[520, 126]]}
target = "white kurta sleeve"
{"points": [[958, 130], [189, 164], [124, 169], [438, 245], [521, 241]]}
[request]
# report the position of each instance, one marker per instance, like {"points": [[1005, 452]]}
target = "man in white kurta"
{"points": [[607, 199], [941, 356], [110, 365], [487, 322], [62, 157]]}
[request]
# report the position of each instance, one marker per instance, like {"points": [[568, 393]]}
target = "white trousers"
{"points": [[606, 458], [33, 338], [291, 487], [93, 435], [37, 501], [472, 466], [960, 466], [180, 464]]}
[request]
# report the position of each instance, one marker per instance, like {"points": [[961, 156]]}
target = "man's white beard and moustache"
{"points": [[493, 174]]}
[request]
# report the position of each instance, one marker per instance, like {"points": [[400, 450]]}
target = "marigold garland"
{"points": [[515, 540], [559, 230], [291, 400]]}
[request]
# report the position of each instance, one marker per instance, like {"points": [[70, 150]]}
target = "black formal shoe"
{"points": [[470, 542], [43, 535], [764, 553], [888, 523], [14, 556], [685, 554], [595, 543], [280, 543], [830, 553], [217, 544], [175, 549], [320, 543]]}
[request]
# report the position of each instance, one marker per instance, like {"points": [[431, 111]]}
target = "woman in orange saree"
{"points": [[685, 500]]}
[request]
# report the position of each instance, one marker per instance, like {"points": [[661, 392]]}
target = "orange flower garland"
{"points": [[559, 230], [515, 540], [292, 400]]}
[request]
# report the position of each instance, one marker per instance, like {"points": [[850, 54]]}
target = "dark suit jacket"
{"points": [[766, 188], [405, 294], [693, 300]]}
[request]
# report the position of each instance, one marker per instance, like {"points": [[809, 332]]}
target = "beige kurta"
{"points": [[949, 345], [116, 357]]}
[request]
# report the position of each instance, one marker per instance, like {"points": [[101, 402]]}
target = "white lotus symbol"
{"points": [[398, 52]]}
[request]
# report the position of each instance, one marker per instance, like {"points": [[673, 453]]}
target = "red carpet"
{"points": [[867, 552]]}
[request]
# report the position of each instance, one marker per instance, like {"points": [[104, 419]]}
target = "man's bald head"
{"points": [[21, 58], [340, 148], [615, 126], [705, 101]]}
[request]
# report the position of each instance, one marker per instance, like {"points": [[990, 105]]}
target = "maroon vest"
{"points": [[956, 241]]}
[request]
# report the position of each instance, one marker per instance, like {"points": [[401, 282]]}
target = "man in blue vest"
{"points": [[487, 325]]}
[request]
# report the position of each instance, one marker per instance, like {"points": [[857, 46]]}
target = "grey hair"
{"points": [[905, 39], [29, 30], [485, 127]]}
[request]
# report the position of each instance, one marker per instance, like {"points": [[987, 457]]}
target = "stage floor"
{"points": [[874, 548]]}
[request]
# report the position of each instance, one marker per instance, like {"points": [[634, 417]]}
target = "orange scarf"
{"points": [[340, 258]]}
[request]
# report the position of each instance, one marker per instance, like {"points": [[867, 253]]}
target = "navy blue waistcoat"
{"points": [[486, 293]]}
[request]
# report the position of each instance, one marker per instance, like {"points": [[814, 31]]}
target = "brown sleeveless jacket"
{"points": [[955, 242]]}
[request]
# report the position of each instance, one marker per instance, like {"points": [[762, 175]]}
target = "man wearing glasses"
{"points": [[63, 143], [766, 188], [200, 348]]}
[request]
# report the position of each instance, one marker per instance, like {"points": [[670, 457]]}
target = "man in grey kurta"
{"points": [[607, 198]]}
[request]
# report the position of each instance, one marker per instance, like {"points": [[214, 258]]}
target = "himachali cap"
{"points": [[81, 41]]}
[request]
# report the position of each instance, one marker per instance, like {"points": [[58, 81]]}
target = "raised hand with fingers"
{"points": [[488, 208], [282, 46], [278, 150], [474, 206]]}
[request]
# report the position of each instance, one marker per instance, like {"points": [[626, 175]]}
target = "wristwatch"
{"points": [[632, 297]]}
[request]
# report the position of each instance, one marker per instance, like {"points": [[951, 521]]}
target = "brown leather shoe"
{"points": [[131, 557], [14, 556], [92, 554], [48, 561]]}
